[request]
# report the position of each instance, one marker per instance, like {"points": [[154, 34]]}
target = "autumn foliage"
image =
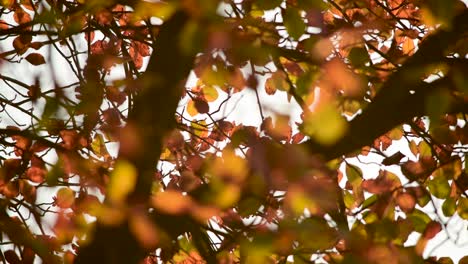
{"points": [[247, 131]]}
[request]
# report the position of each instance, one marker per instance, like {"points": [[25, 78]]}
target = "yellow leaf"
{"points": [[191, 109], [145, 10], [326, 125], [210, 93], [408, 46], [122, 181]]}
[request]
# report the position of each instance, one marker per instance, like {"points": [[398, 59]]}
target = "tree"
{"points": [[118, 145]]}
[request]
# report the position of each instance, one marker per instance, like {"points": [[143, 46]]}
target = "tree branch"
{"points": [[394, 104]]}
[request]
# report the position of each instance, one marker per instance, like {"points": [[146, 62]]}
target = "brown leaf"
{"points": [[21, 43], [36, 45], [35, 59], [393, 159], [385, 182], [21, 17], [201, 106], [11, 257]]}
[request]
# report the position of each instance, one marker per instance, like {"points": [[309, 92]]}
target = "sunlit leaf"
{"points": [[326, 125], [122, 181], [65, 197], [449, 207], [462, 207]]}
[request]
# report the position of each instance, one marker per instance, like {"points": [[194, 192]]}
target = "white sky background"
{"points": [[241, 108]]}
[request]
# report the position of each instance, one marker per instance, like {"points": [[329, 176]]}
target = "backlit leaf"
{"points": [[65, 197], [122, 181], [325, 125], [293, 22]]}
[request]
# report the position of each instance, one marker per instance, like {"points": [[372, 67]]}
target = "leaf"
{"points": [[326, 125], [191, 109], [65, 198], [201, 106], [293, 22], [35, 59], [21, 43], [393, 159], [172, 202], [354, 174], [449, 207], [432, 229], [406, 202], [462, 208], [419, 220], [3, 25], [267, 4], [463, 260], [358, 56], [12, 257], [21, 17], [210, 93], [122, 181], [439, 187], [408, 46], [385, 182]]}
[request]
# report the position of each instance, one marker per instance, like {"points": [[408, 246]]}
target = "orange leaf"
{"points": [[65, 198], [21, 17], [406, 202], [172, 202], [3, 25]]}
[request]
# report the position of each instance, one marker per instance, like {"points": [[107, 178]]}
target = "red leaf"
{"points": [[115, 95], [35, 59], [432, 229], [37, 171], [3, 25], [383, 183], [28, 255], [98, 47], [297, 138]]}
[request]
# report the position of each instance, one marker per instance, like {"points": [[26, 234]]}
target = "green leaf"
{"points": [[439, 187], [249, 206], [326, 125], [354, 174], [419, 220], [358, 56], [324, 237], [267, 4], [462, 208], [449, 207], [293, 22]]}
